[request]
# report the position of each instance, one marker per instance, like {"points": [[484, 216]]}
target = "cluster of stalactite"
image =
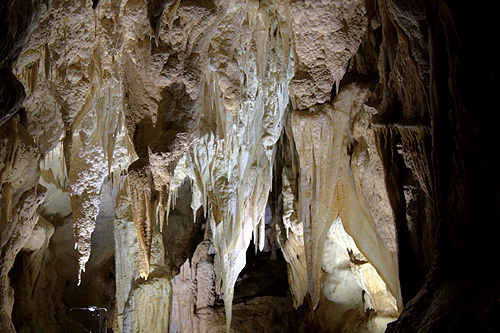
{"points": [[352, 120]]}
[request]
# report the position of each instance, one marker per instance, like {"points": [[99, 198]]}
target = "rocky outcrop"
{"points": [[21, 197], [443, 178], [19, 172]]}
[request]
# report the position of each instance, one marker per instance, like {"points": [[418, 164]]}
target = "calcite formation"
{"points": [[327, 165], [209, 81], [244, 107], [174, 143], [21, 197]]}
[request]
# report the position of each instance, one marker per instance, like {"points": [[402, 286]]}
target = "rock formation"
{"points": [[257, 165]]}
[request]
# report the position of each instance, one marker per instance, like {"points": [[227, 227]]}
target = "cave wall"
{"points": [[459, 192], [153, 135]]}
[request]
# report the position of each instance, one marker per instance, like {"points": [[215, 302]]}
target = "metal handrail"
{"points": [[92, 309]]}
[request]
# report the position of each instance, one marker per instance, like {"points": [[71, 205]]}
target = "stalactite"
{"points": [[7, 195], [99, 148], [233, 159], [415, 151], [141, 193], [319, 164], [290, 232], [155, 13], [142, 305], [322, 136]]}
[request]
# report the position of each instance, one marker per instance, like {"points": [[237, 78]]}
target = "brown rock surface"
{"points": [[253, 165]]}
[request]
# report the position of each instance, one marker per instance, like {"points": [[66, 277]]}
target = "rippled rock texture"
{"points": [[248, 165]]}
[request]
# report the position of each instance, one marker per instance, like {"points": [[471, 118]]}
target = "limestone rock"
{"points": [[351, 141], [326, 35]]}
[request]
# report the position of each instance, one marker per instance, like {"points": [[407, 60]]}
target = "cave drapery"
{"points": [[249, 165]]}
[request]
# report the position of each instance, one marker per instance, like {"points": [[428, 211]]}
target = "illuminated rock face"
{"points": [[162, 138]]}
